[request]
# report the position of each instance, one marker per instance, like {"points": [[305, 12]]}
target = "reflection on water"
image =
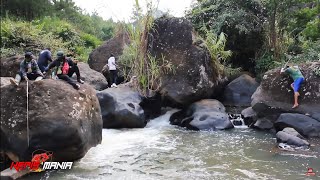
{"points": [[162, 151]]}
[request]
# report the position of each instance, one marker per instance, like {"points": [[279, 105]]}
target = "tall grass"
{"points": [[136, 58]]}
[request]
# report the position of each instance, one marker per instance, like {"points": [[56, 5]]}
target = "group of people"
{"points": [[65, 67]]}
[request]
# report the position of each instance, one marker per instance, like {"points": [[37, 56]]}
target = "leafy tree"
{"points": [[242, 21]]}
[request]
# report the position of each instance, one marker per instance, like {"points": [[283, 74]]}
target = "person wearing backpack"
{"points": [[65, 68], [29, 70], [295, 73]]}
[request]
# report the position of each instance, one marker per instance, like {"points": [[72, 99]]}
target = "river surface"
{"points": [[162, 151]]}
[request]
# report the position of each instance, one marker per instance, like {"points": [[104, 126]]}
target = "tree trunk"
{"points": [[273, 31]]}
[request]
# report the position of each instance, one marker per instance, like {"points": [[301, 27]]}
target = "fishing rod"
{"points": [[28, 112]]}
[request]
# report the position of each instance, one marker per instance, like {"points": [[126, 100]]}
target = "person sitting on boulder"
{"points": [[298, 79], [65, 69], [44, 59], [29, 69]]}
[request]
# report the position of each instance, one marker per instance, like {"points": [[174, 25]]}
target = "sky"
{"points": [[120, 10]]}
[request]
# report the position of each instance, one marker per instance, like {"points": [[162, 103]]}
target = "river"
{"points": [[163, 151]]}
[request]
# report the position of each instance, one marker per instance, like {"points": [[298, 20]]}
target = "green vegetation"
{"points": [[34, 25], [262, 34], [137, 60]]}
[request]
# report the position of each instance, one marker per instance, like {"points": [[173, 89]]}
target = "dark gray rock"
{"points": [[240, 90], [208, 114], [120, 108], [291, 139], [249, 116], [99, 57], [92, 77], [61, 119], [303, 124], [195, 77], [276, 94], [263, 124], [10, 66], [292, 132]]}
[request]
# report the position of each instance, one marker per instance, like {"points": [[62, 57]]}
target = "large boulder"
{"points": [[207, 114], [61, 119], [195, 76], [275, 96], [99, 57], [92, 77], [120, 108], [10, 66], [305, 125], [240, 90]]}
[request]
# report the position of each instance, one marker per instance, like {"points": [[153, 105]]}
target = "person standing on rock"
{"points": [[29, 69], [113, 70], [298, 79], [65, 68], [44, 59]]}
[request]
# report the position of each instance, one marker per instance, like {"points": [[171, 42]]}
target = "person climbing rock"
{"points": [[29, 69], [44, 59], [113, 70], [298, 79], [65, 68]]}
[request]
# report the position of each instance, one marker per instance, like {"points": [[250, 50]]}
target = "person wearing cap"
{"points": [[29, 69], [295, 73], [44, 59], [65, 68]]}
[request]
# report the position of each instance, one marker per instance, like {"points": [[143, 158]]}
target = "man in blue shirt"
{"points": [[44, 59]]}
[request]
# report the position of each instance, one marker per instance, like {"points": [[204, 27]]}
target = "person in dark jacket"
{"points": [[29, 69], [65, 68], [44, 59]]}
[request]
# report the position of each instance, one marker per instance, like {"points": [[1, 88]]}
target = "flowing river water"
{"points": [[163, 151]]}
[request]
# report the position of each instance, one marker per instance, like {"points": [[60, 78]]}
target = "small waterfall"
{"points": [[237, 120], [161, 121]]}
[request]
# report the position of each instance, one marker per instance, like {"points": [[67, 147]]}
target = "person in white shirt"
{"points": [[113, 70]]}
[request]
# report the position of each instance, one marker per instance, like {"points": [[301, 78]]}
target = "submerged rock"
{"points": [[240, 90], [120, 108], [290, 137], [207, 114], [61, 119]]}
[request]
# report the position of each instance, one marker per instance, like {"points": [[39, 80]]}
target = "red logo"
{"points": [[35, 164], [310, 172]]}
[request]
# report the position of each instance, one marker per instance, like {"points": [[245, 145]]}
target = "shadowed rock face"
{"points": [[207, 114], [120, 108], [195, 77], [99, 57], [61, 119], [10, 66], [274, 95], [305, 125], [92, 77], [240, 90]]}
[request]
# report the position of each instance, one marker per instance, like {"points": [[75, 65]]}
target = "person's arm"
{"points": [[23, 69], [51, 65], [49, 56]]}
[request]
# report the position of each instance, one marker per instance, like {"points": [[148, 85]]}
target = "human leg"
{"points": [[16, 80], [69, 80], [75, 69], [296, 86]]}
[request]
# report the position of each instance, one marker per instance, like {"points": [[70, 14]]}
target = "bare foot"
{"points": [[295, 106]]}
